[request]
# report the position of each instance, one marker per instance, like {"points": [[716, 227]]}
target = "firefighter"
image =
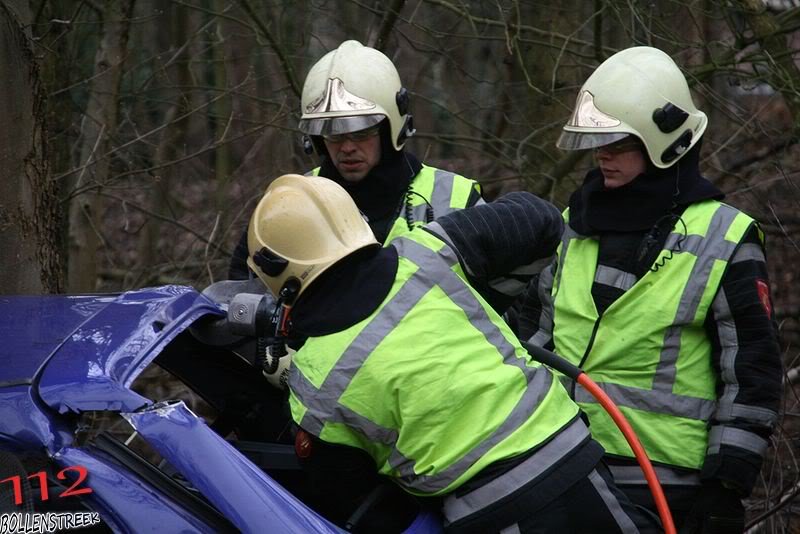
{"points": [[409, 373], [356, 116], [660, 293]]}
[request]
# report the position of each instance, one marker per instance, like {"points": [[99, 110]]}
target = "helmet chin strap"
{"points": [[283, 308], [280, 324], [308, 146]]}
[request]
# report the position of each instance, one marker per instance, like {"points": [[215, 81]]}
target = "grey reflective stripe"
{"points": [[735, 437], [511, 529], [459, 292], [442, 192], [568, 235], [537, 389], [534, 267], [508, 285], [609, 276], [755, 414], [457, 508], [748, 252], [317, 413], [712, 247], [505, 285], [623, 520], [320, 409], [729, 348], [632, 475], [693, 243], [544, 333], [436, 229], [663, 402], [318, 401], [418, 213]]}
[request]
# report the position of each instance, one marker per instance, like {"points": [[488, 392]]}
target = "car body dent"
{"points": [[238, 489], [25, 425], [32, 327], [77, 353], [94, 366]]}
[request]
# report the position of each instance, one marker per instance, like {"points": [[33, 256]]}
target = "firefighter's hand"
{"points": [[279, 377], [717, 510]]}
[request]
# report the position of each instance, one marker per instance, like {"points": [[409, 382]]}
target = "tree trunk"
{"points": [[29, 259], [172, 137], [98, 127]]}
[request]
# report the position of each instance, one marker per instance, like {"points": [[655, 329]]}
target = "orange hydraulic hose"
{"points": [[558, 363], [636, 446]]}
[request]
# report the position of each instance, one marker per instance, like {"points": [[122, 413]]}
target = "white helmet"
{"points": [[639, 91], [301, 227], [352, 88]]}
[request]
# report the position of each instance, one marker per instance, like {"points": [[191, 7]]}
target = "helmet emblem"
{"points": [[337, 98], [587, 115]]}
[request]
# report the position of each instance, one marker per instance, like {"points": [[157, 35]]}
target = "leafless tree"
{"points": [[166, 120]]}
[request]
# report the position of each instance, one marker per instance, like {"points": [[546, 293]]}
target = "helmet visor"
{"points": [[583, 140], [338, 125]]}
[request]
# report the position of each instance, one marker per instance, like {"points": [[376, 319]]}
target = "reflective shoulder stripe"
{"points": [[313, 172], [735, 437], [442, 192], [715, 242], [456, 508], [449, 191], [459, 291]]}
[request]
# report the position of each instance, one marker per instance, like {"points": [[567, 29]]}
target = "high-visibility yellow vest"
{"points": [[649, 351], [443, 190], [433, 385]]}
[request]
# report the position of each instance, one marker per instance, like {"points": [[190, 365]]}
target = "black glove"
{"points": [[717, 510]]}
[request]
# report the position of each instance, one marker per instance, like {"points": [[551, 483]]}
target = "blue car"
{"points": [[79, 438]]}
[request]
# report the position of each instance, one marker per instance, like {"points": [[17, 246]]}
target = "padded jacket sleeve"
{"points": [[502, 245], [746, 356]]}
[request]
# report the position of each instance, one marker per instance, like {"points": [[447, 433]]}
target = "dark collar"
{"points": [[379, 194], [347, 293], [640, 204]]}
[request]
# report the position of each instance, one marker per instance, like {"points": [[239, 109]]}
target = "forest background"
{"points": [[139, 134]]}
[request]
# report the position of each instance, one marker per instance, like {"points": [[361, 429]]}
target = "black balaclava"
{"points": [[643, 202], [380, 193]]}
